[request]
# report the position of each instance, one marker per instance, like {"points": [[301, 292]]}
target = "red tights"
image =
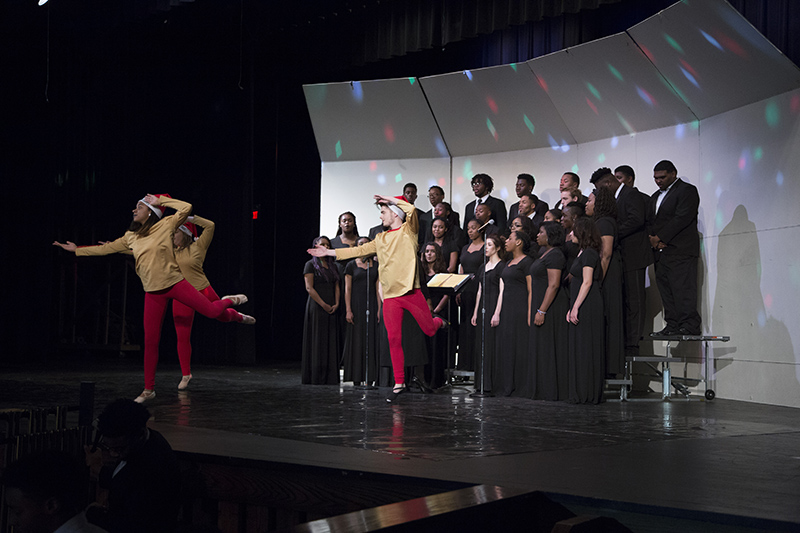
{"points": [[414, 302], [185, 301]]}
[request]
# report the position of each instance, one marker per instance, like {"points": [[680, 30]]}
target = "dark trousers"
{"points": [[635, 309], [676, 276]]}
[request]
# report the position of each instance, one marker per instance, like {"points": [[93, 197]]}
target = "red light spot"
{"points": [[648, 53], [542, 83], [742, 163], [442, 182], [373, 166], [255, 215], [492, 104], [732, 45], [594, 108], [388, 132], [768, 301], [689, 68], [795, 103], [460, 180]]}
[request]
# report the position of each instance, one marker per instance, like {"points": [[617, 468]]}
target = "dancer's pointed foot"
{"points": [[445, 322], [396, 391], [145, 396], [247, 319], [237, 299], [184, 382]]}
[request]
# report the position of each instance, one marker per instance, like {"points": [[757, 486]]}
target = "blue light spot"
{"points": [[553, 144], [712, 41], [564, 147], [762, 319], [690, 77], [382, 179], [468, 74], [644, 96], [680, 130], [614, 141], [358, 91], [441, 147], [718, 191], [779, 178]]}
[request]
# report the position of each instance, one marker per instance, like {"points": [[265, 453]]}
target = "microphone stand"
{"points": [[366, 385], [482, 392]]}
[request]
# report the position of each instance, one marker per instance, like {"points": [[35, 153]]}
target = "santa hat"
{"points": [[396, 210], [189, 229], [157, 209]]}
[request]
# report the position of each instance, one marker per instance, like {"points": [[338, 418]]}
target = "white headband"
{"points": [[397, 211]]}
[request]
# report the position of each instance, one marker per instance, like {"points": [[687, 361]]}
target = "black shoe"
{"points": [[446, 323], [396, 391], [688, 332], [664, 332]]}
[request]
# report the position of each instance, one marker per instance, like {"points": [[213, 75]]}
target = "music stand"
{"points": [[449, 285]]}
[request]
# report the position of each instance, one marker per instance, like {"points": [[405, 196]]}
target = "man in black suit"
{"points": [[482, 185], [529, 206], [410, 194], [570, 182], [634, 248], [672, 227], [484, 215], [525, 185]]}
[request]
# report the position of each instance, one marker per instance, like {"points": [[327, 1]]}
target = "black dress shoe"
{"points": [[396, 391], [664, 332], [689, 332]]}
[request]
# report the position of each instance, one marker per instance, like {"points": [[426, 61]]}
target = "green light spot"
{"points": [[720, 220], [594, 91], [490, 126], [695, 124], [601, 158], [529, 123], [758, 153], [615, 72], [772, 114], [514, 66], [398, 178], [709, 177], [575, 168], [625, 124], [411, 80], [338, 149], [673, 43], [468, 169]]}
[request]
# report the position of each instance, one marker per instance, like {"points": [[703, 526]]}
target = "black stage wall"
{"points": [[102, 102]]}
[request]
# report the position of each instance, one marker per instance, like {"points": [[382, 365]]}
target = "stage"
{"points": [[670, 466]]}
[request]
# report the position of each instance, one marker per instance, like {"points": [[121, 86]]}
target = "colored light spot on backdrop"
{"points": [[743, 160], [758, 153], [720, 220], [709, 177], [529, 124], [592, 106], [574, 168], [772, 114], [601, 158], [460, 180], [338, 149], [695, 124], [762, 318], [795, 103], [382, 179], [614, 141], [398, 178], [646, 96], [680, 131], [718, 191], [492, 104], [553, 143], [514, 66], [442, 182], [388, 132], [648, 53], [467, 172], [468, 74], [673, 43], [733, 46], [594, 91], [689, 77], [713, 41], [358, 91], [615, 72], [542, 83], [373, 166], [441, 147], [412, 80], [626, 124], [779, 178], [490, 126], [564, 146], [768, 301]]}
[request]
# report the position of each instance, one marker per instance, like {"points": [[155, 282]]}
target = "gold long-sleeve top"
{"points": [[191, 259], [155, 258], [397, 254]]}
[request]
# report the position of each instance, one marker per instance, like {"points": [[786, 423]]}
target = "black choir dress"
{"points": [[471, 262], [587, 362], [357, 337], [490, 340], [437, 345], [548, 378], [320, 359], [613, 305], [511, 354]]}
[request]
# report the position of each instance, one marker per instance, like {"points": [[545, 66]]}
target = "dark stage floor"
{"points": [[734, 464]]}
